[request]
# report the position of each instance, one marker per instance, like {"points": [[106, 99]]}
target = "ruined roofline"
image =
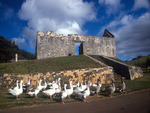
{"points": [[88, 35], [108, 34], [51, 33]]}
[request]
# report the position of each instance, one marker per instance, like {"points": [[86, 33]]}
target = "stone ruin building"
{"points": [[97, 48], [51, 45]]}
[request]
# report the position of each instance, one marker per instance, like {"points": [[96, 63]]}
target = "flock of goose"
{"points": [[54, 89]]}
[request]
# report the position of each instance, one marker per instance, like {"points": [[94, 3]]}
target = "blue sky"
{"points": [[128, 20]]}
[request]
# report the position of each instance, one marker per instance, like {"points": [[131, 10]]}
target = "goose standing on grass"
{"points": [[85, 93], [49, 92], [122, 86], [110, 89], [15, 88], [39, 87], [70, 90], [79, 89], [84, 86], [18, 91], [63, 94], [58, 90], [35, 91], [96, 89], [29, 87]]}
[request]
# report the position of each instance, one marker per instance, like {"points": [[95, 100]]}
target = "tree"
{"points": [[8, 49]]}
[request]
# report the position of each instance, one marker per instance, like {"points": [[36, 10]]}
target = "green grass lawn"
{"points": [[48, 65], [8, 101], [143, 61]]}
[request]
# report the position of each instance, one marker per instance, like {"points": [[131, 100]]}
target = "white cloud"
{"points": [[112, 6], [141, 4], [19, 41], [61, 16], [132, 35], [30, 35]]}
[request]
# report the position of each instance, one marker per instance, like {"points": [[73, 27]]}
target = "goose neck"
{"points": [[65, 87], [21, 84]]}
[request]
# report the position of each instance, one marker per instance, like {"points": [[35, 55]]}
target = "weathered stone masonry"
{"points": [[106, 73], [52, 45]]}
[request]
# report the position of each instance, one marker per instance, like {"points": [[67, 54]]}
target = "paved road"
{"points": [[137, 102]]}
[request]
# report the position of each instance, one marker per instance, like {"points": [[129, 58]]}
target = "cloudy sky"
{"points": [[128, 20]]}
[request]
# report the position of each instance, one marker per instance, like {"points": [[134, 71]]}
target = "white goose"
{"points": [[58, 90], [63, 94], [18, 91], [49, 92], [84, 94], [39, 87], [70, 90], [55, 83], [81, 88], [35, 91], [15, 88]]}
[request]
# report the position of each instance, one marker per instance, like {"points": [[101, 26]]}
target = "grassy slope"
{"points": [[141, 62], [48, 65], [8, 101]]}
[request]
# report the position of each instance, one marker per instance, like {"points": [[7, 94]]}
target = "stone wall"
{"points": [[52, 45], [130, 72], [106, 73]]}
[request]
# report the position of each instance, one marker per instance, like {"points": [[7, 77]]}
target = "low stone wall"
{"points": [[106, 73], [130, 72], [135, 72]]}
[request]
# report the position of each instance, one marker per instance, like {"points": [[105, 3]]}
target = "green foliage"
{"points": [[48, 65], [8, 49], [25, 54]]}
